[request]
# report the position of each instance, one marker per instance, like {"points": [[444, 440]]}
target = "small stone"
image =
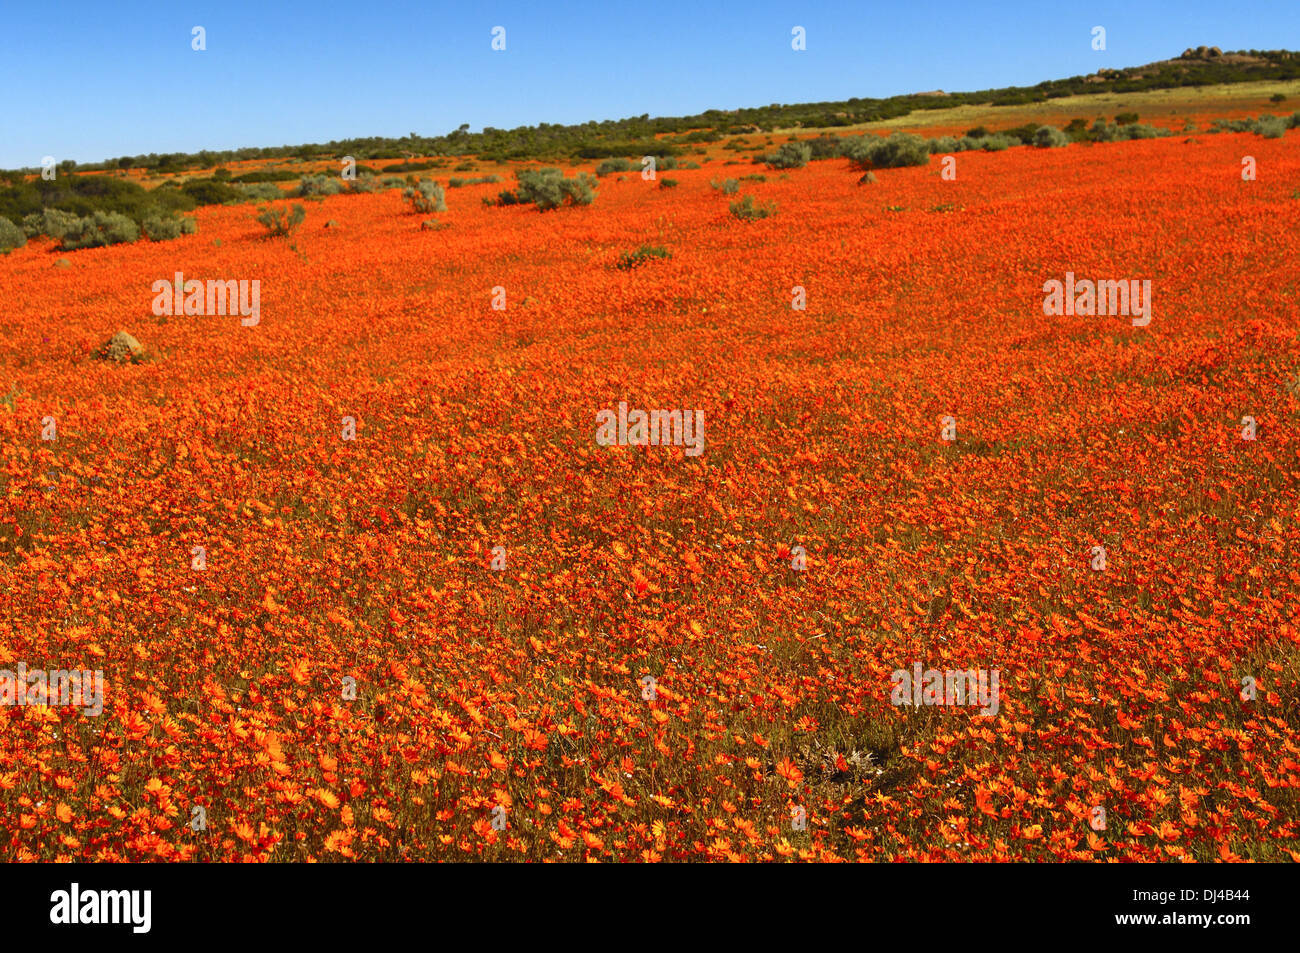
{"points": [[331, 224], [867, 179], [63, 263], [122, 347]]}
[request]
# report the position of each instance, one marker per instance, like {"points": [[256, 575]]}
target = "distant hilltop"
{"points": [[676, 135], [1242, 61]]}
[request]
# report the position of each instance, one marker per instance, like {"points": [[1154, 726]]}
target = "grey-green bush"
{"points": [[549, 189], [426, 197], [319, 185], [260, 191], [278, 223], [746, 210], [100, 228], [159, 229], [1049, 137], [11, 236], [51, 221], [999, 141], [456, 183], [900, 149], [792, 155], [613, 165], [1271, 127]]}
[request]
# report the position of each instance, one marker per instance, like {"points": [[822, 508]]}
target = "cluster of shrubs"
{"points": [[614, 165], [97, 229], [261, 175], [11, 236], [416, 166], [877, 152], [260, 191], [746, 209], [639, 256], [365, 182], [548, 189], [662, 163], [726, 186], [456, 183], [281, 221], [1270, 127], [791, 155], [426, 197]]}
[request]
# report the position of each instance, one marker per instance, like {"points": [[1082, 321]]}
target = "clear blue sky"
{"points": [[90, 81]]}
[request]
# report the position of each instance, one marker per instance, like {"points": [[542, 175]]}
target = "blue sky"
{"points": [[90, 81]]}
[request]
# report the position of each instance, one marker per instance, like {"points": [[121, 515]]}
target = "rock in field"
{"points": [[121, 348]]}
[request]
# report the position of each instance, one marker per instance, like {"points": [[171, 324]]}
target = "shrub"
{"points": [[998, 142], [51, 221], [11, 236], [900, 149], [211, 192], [667, 183], [1103, 132], [392, 182], [260, 192], [613, 165], [746, 210], [639, 256], [755, 177], [1023, 134], [221, 175], [278, 223], [792, 155], [663, 163], [1277, 98], [426, 197], [160, 229], [100, 228], [466, 167], [979, 132], [945, 144], [1138, 130], [266, 175], [825, 147], [549, 189], [1126, 119], [319, 185], [414, 166], [361, 185], [455, 183], [1050, 137], [1271, 127]]}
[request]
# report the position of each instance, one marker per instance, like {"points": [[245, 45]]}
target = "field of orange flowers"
{"points": [[505, 713]]}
